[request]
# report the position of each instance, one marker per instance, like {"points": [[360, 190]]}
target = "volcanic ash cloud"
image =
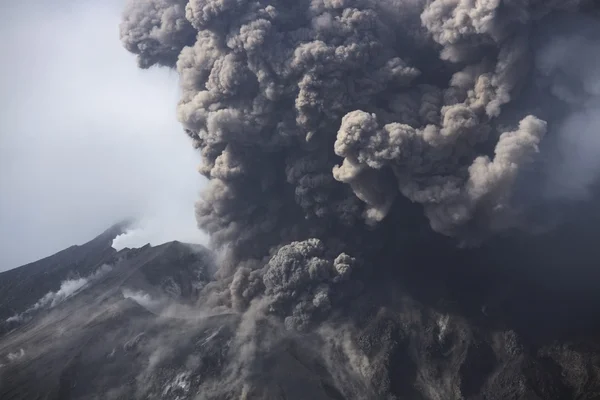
{"points": [[319, 121]]}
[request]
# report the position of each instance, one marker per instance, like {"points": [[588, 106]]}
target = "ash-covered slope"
{"points": [[139, 329], [22, 287], [72, 321], [133, 330]]}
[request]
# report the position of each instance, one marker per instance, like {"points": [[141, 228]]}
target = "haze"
{"points": [[86, 138]]}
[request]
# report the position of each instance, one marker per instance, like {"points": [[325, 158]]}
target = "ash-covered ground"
{"points": [[140, 327]]}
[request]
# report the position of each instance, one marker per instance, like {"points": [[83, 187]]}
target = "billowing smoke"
{"points": [[324, 125], [156, 31]]}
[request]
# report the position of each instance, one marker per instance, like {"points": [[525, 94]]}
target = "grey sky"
{"points": [[86, 138]]}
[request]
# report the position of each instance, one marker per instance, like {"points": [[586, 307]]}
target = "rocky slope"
{"points": [[127, 325]]}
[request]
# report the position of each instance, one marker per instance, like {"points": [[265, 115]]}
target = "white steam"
{"points": [[16, 355], [158, 230], [68, 288], [143, 299]]}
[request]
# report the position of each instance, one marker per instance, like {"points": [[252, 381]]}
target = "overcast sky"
{"points": [[86, 138]]}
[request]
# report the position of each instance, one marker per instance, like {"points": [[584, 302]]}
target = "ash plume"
{"points": [[156, 30], [324, 124]]}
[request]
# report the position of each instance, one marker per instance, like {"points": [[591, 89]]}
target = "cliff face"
{"points": [[94, 323]]}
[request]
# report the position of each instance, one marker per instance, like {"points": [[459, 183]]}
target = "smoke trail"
{"points": [[321, 121]]}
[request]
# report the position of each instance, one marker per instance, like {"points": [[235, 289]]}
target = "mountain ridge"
{"points": [[134, 329]]}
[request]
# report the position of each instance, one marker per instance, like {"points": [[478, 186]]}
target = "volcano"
{"points": [[129, 324]]}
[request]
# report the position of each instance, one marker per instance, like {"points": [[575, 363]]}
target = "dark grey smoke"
{"points": [[156, 31], [321, 121]]}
